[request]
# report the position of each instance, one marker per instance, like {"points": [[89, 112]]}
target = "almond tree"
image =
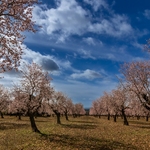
{"points": [[4, 100], [137, 108], [97, 107], [106, 104], [67, 106], [44, 109], [137, 76], [34, 84], [79, 109], [120, 102], [55, 103], [114, 105], [146, 113], [17, 105], [15, 17]]}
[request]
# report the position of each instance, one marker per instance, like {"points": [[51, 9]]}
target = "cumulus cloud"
{"points": [[69, 18], [49, 64], [87, 74], [46, 61]]}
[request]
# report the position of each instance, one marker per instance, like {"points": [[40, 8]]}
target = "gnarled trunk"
{"points": [[33, 124], [58, 116]]}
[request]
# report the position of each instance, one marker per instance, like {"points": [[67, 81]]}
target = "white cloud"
{"points": [[116, 26], [89, 41], [147, 13], [92, 41], [87, 74], [96, 4], [138, 45], [69, 18], [49, 63], [10, 78], [85, 54]]}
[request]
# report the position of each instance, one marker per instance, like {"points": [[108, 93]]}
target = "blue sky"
{"points": [[82, 43]]}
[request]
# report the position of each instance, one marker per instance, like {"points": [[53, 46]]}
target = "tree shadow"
{"points": [[84, 122], [141, 126], [79, 126], [140, 123], [6, 125], [41, 120], [144, 127], [90, 143]]}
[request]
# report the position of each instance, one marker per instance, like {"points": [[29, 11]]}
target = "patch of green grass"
{"points": [[82, 133]]}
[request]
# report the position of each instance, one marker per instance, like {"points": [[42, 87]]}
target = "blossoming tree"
{"points": [[15, 17]]}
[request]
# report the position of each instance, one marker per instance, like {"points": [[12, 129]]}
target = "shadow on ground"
{"points": [[6, 125], [138, 124], [79, 126], [88, 143], [84, 122], [143, 127]]}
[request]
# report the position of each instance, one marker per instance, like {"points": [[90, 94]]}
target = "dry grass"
{"points": [[83, 133]]}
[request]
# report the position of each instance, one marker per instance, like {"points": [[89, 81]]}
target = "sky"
{"points": [[83, 43]]}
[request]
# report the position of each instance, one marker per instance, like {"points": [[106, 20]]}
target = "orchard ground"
{"points": [[81, 133]]}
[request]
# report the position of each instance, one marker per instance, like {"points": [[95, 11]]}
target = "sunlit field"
{"points": [[82, 133]]}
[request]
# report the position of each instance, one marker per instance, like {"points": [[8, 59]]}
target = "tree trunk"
{"points": [[33, 125], [115, 118], [19, 116], [58, 118], [66, 116], [147, 118], [125, 118], [138, 117], [2, 116], [108, 117], [74, 116]]}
